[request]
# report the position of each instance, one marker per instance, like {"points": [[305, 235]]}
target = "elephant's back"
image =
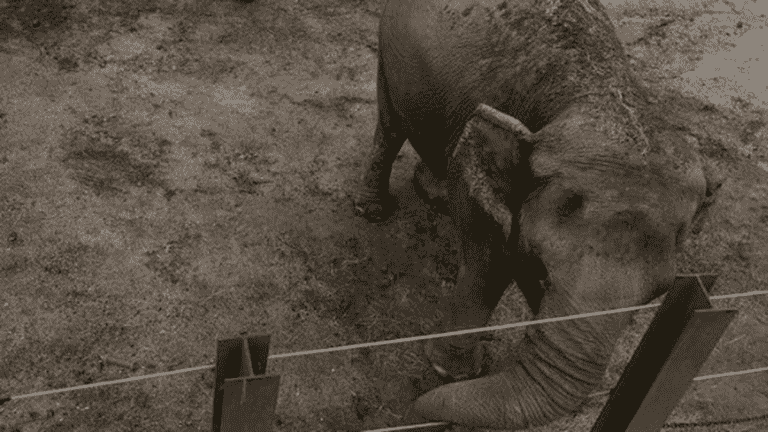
{"points": [[526, 58]]}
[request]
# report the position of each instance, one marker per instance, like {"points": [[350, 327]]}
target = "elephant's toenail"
{"points": [[442, 372]]}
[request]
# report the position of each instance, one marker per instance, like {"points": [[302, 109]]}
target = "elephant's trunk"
{"points": [[552, 370]]}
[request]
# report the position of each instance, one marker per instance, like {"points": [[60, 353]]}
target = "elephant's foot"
{"points": [[452, 364], [373, 206], [429, 188]]}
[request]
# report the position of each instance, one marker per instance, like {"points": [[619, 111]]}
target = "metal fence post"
{"points": [[680, 338], [244, 399]]}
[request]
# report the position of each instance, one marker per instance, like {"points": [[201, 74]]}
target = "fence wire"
{"points": [[4, 399]]}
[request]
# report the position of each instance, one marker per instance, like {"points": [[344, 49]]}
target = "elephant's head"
{"points": [[596, 210]]}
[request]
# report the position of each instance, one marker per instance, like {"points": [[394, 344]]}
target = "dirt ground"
{"points": [[173, 172]]}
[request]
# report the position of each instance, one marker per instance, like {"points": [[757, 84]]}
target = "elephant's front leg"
{"points": [[429, 187], [484, 274], [373, 201]]}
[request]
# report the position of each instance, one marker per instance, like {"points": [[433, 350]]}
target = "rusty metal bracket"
{"points": [[244, 399], [678, 341]]}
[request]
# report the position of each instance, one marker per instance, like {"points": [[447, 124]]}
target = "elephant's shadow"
{"points": [[400, 270]]}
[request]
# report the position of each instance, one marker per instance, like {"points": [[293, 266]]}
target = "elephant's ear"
{"points": [[715, 180], [487, 155]]}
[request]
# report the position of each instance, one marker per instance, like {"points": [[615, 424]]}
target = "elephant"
{"points": [[560, 173]]}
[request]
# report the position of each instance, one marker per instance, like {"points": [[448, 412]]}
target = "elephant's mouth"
{"points": [[456, 363]]}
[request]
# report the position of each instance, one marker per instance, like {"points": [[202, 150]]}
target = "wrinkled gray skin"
{"points": [[560, 174]]}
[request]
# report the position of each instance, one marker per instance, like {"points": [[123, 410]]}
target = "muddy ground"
{"points": [[173, 172]]}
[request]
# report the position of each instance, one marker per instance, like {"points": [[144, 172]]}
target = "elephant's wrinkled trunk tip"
{"points": [[554, 369]]}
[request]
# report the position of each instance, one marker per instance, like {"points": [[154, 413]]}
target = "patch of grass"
{"points": [[33, 18], [106, 158]]}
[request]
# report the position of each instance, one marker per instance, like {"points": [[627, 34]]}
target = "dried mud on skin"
{"points": [[176, 172]]}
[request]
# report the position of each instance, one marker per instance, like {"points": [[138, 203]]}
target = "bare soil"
{"points": [[173, 172]]}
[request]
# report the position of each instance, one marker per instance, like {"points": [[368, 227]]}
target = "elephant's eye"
{"points": [[568, 203]]}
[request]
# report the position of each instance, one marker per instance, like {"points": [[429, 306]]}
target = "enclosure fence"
{"points": [[4, 399]]}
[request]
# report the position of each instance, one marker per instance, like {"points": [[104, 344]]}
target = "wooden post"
{"points": [[681, 336], [244, 399]]}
